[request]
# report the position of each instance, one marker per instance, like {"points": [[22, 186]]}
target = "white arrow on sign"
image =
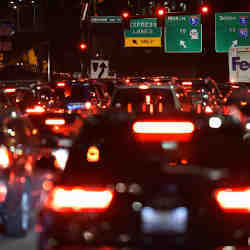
{"points": [[234, 43], [183, 43], [99, 69]]}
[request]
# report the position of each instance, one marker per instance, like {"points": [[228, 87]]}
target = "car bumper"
{"points": [[99, 229]]}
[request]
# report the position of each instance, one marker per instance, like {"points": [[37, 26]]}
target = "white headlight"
{"points": [[215, 122]]}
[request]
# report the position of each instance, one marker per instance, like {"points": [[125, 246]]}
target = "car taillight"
{"points": [[4, 157], [79, 199], [87, 105], [93, 154], [61, 84], [234, 200], [3, 192], [36, 109], [10, 90], [163, 131], [163, 127], [53, 122], [143, 86], [187, 83]]}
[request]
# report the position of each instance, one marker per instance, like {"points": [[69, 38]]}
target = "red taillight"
{"points": [[163, 131], [36, 109], [163, 127], [52, 122], [187, 83], [3, 192], [235, 86], [61, 84], [78, 199], [234, 200], [9, 91], [4, 157]]}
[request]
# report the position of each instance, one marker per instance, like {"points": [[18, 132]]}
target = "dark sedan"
{"points": [[140, 179]]}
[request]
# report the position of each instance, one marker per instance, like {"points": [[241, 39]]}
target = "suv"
{"points": [[85, 97]]}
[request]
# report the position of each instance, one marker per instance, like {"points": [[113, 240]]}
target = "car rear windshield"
{"points": [[137, 97], [80, 92]]}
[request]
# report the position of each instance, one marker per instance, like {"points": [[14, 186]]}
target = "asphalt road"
{"points": [[27, 243]]}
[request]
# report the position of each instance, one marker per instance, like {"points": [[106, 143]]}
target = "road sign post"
{"points": [[231, 30], [143, 32], [183, 34]]}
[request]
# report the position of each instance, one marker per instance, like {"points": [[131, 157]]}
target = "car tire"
{"points": [[43, 242], [18, 224]]}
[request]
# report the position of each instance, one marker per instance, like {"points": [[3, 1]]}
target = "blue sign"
{"points": [[243, 20], [194, 20], [244, 32]]}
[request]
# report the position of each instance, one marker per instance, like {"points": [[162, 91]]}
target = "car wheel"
{"points": [[43, 242], [18, 224]]}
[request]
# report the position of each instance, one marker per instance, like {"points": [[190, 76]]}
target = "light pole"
{"points": [[49, 63]]}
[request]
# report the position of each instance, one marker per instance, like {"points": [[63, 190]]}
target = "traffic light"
{"points": [[160, 14], [83, 46], [204, 9], [125, 15]]}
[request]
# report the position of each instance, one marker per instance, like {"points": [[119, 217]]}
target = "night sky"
{"points": [[61, 20]]}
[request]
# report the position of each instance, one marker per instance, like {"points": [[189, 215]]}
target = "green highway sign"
{"points": [[105, 19], [143, 32], [183, 34], [231, 30]]}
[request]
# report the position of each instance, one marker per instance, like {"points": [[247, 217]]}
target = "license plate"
{"points": [[170, 221]]}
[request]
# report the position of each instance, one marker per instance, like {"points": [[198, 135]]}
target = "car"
{"points": [[141, 180], [57, 132], [146, 97], [19, 191], [84, 96]]}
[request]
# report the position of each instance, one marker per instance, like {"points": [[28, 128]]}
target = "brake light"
{"points": [[163, 131], [12, 90], [36, 109], [87, 105], [93, 154], [187, 83], [234, 200], [77, 199], [52, 122], [143, 86], [3, 192], [61, 84], [4, 157], [163, 127], [148, 99], [235, 86]]}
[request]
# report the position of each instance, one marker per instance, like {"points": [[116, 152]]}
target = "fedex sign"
{"points": [[243, 65]]}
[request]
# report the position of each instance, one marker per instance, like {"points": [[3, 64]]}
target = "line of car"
{"points": [[128, 158]]}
